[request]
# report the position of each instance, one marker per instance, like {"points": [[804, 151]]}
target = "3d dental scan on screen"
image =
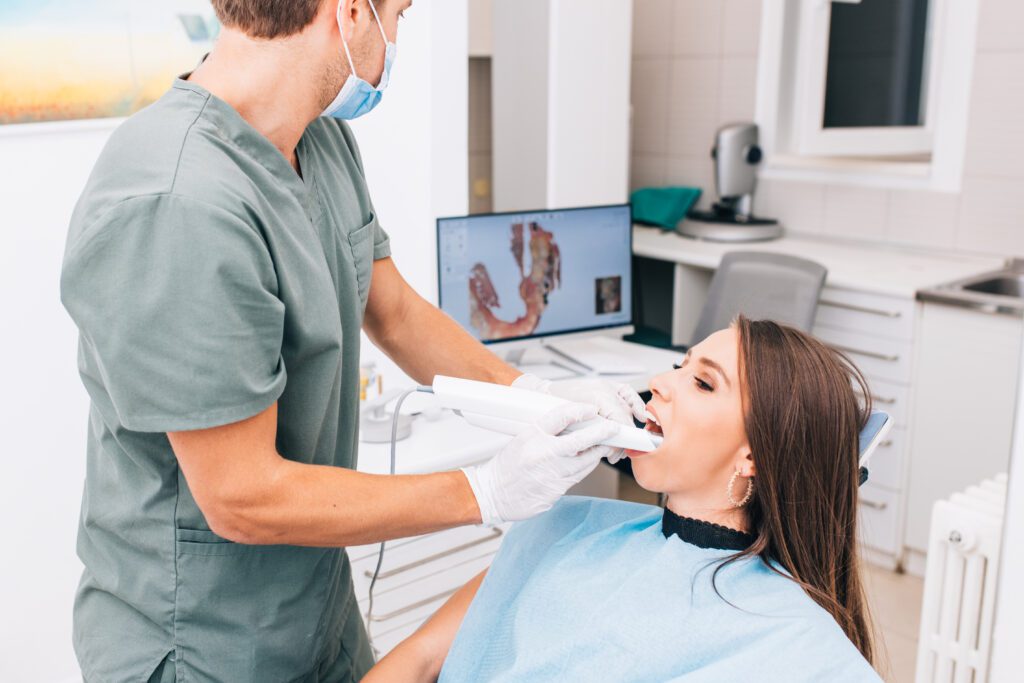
{"points": [[512, 276]]}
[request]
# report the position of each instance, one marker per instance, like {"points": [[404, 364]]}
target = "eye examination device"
{"points": [[511, 411]]}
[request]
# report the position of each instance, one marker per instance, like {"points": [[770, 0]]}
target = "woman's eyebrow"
{"points": [[715, 366]]}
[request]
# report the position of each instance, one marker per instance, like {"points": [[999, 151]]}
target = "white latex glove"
{"points": [[614, 401], [533, 471]]}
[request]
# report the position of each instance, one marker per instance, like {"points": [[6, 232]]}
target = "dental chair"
{"points": [[761, 286]]}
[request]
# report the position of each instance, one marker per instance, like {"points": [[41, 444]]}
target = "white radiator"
{"points": [[960, 585]]}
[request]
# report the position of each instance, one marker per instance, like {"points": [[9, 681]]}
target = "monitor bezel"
{"points": [[543, 335]]}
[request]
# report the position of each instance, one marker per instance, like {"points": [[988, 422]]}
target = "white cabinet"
{"points": [[417, 575], [877, 333], [965, 385]]}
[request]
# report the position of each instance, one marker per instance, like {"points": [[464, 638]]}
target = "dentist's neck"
{"points": [[274, 85]]}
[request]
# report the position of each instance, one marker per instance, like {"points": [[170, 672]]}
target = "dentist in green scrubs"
{"points": [[220, 264]]}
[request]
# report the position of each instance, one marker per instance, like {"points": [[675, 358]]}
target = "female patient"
{"points": [[751, 573]]}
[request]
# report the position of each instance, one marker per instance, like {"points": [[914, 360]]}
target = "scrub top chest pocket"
{"points": [[361, 246]]}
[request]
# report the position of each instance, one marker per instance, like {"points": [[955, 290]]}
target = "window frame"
{"points": [[793, 54], [816, 140]]}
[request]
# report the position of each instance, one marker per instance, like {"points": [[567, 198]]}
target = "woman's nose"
{"points": [[658, 385]]}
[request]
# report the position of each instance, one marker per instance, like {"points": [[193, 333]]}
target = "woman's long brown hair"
{"points": [[803, 419]]}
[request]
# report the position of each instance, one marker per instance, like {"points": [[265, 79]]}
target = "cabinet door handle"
{"points": [[416, 605], [495, 533], [861, 309], [873, 504], [892, 358], [885, 444]]}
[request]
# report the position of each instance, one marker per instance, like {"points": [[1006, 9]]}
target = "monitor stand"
{"points": [[514, 356], [544, 367], [591, 355]]}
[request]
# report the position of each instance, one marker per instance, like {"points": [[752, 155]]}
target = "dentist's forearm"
{"points": [[311, 505]]}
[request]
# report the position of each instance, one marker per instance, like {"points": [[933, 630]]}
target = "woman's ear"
{"points": [[745, 466]]}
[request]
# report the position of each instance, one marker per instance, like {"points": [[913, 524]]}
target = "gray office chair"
{"points": [[761, 286]]}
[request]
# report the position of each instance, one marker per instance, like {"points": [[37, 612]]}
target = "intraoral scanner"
{"points": [[508, 410]]}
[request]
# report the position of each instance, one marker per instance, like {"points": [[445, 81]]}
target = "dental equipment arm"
{"points": [[510, 410]]}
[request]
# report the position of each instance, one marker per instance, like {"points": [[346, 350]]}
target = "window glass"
{"points": [[877, 56]]}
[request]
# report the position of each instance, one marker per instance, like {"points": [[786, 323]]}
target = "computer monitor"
{"points": [[513, 277]]}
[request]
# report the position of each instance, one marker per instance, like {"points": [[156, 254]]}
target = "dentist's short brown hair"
{"points": [[267, 18]]}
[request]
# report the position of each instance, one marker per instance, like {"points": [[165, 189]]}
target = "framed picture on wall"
{"points": [[90, 63]]}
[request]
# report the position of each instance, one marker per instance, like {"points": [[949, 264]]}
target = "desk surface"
{"points": [[449, 441], [863, 267]]}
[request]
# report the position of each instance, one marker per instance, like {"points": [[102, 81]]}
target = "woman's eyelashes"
{"points": [[702, 385]]}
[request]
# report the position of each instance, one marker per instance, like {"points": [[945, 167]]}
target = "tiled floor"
{"points": [[894, 600]]}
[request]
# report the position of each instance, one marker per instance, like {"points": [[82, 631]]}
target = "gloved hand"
{"points": [[533, 471], [618, 402]]}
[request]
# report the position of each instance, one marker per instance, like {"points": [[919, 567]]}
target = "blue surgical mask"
{"points": [[358, 97]]}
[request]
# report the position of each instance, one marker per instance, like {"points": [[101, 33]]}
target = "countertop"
{"points": [[892, 271]]}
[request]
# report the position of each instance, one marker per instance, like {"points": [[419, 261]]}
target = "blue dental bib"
{"points": [[593, 591]]}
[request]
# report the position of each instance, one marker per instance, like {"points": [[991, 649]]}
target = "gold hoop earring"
{"points": [[747, 496]]}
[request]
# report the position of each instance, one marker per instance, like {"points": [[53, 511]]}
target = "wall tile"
{"points": [[647, 170], [650, 98], [652, 28], [991, 217], [1000, 25], [697, 27], [856, 212], [995, 131], [737, 89], [693, 105], [694, 171], [741, 27], [923, 218], [800, 207]]}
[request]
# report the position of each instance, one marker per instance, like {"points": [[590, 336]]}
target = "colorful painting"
{"points": [[66, 60]]}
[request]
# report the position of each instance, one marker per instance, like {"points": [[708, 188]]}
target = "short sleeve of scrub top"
{"points": [[199, 318]]}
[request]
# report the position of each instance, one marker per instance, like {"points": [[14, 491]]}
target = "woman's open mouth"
{"points": [[653, 426]]}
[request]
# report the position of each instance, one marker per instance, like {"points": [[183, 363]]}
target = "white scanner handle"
{"points": [[509, 410]]}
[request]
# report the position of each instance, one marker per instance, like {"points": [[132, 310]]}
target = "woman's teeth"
{"points": [[652, 423]]}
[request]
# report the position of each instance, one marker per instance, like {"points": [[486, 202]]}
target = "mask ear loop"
{"points": [[376, 16], [344, 43]]}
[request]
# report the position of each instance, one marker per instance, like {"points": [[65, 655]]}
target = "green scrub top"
{"points": [[208, 280]]}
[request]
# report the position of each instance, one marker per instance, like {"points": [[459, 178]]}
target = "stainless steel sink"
{"points": [[1000, 291], [1000, 286]]}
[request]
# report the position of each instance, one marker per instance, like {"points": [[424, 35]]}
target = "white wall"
{"points": [[561, 113], [414, 148], [695, 68], [43, 406], [588, 120], [1009, 628]]}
